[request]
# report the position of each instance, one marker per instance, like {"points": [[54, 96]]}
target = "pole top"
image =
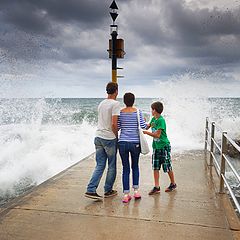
{"points": [[113, 11], [113, 5]]}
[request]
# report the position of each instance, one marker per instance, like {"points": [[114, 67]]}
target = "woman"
{"points": [[129, 143]]}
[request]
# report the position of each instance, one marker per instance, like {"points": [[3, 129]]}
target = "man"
{"points": [[106, 144]]}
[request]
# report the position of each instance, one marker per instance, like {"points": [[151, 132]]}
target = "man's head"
{"points": [[112, 88], [129, 99], [157, 107]]}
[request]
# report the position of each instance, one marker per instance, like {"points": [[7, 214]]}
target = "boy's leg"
{"points": [[167, 167], [156, 168], [156, 188], [171, 177], [172, 185], [156, 178], [156, 165]]}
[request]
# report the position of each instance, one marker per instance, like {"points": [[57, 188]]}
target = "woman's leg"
{"points": [[135, 152], [124, 153]]}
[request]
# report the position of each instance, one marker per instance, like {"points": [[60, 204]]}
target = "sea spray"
{"points": [[33, 148], [41, 137], [31, 154]]}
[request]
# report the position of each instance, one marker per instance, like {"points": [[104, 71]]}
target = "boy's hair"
{"points": [[129, 99], [111, 87], [157, 106]]}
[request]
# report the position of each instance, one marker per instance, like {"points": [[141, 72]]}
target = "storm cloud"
{"points": [[162, 38]]}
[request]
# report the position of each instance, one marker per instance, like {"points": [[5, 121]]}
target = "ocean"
{"points": [[41, 137]]}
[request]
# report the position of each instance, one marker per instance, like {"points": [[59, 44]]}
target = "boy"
{"points": [[161, 148]]}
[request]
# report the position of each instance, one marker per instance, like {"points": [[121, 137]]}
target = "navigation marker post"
{"points": [[116, 46]]}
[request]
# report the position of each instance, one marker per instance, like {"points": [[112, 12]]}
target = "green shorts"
{"points": [[162, 157]]}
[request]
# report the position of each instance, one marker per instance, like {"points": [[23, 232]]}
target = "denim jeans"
{"points": [[106, 150], [126, 148]]}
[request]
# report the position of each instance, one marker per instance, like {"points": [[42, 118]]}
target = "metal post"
{"points": [[114, 56], [206, 135], [212, 143], [224, 150]]}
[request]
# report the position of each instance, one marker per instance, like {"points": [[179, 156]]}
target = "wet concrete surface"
{"points": [[57, 209]]}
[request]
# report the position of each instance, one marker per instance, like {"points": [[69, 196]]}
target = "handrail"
{"points": [[218, 127], [232, 168], [217, 145], [233, 143], [217, 166], [211, 142], [231, 193]]}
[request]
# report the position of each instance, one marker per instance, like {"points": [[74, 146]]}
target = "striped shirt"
{"points": [[128, 124]]}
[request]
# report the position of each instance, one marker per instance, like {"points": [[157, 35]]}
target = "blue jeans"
{"points": [[105, 150], [134, 149]]}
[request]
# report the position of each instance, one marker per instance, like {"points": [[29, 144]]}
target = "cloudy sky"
{"points": [[58, 48]]}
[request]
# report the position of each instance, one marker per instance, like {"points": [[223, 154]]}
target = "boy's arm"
{"points": [[148, 125], [155, 134]]}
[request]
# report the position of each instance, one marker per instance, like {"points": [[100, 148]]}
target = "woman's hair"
{"points": [[157, 106], [111, 87], [129, 99]]}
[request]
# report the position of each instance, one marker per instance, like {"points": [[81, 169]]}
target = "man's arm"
{"points": [[115, 125], [155, 134]]}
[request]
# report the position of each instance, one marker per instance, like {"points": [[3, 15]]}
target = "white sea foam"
{"points": [[187, 104], [32, 154], [39, 138]]}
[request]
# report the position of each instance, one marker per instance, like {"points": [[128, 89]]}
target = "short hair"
{"points": [[157, 106], [129, 99], [111, 87]]}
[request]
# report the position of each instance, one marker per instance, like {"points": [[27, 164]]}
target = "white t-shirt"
{"points": [[106, 109]]}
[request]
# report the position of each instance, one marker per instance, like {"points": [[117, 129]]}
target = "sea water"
{"points": [[41, 137]]}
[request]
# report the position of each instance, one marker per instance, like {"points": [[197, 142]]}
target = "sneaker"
{"points": [[126, 198], [155, 190], [93, 195], [171, 187], [110, 193], [137, 195]]}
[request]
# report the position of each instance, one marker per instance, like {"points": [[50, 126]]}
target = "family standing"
{"points": [[128, 121]]}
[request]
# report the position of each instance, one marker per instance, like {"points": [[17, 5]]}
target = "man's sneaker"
{"points": [[171, 187], [110, 193], [155, 190], [93, 195], [126, 198]]}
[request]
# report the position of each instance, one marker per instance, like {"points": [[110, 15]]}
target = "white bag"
{"points": [[143, 141]]}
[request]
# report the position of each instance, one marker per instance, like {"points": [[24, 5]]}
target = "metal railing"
{"points": [[222, 147]]}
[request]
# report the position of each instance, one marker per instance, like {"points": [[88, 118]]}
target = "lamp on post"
{"points": [[116, 46]]}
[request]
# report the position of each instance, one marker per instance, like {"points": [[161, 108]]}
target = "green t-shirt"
{"points": [[157, 124]]}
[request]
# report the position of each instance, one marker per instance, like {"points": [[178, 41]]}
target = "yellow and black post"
{"points": [[114, 56], [116, 46]]}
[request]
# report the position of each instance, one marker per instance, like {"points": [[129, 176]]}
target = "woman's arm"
{"points": [[143, 123]]}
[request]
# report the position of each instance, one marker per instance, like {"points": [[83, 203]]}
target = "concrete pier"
{"points": [[57, 209]]}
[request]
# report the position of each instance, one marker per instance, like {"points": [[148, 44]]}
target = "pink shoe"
{"points": [[137, 195], [126, 198]]}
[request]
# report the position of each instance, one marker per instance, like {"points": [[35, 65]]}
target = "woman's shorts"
{"points": [[162, 157]]}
